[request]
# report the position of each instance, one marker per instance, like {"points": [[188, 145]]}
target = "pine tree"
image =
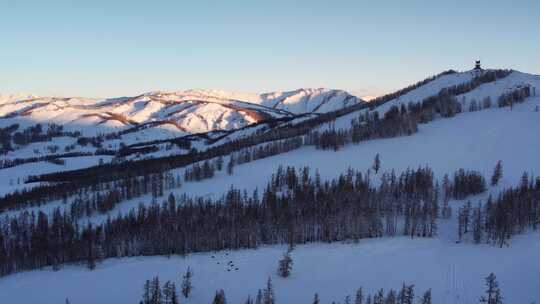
{"points": [[285, 265], [268, 294], [169, 293], [155, 292], [174, 295], [426, 298], [230, 165], [477, 225], [391, 297], [359, 299], [406, 295], [166, 293], [146, 293], [219, 163], [316, 299], [486, 102], [186, 282], [377, 163], [378, 298], [219, 298], [497, 174], [249, 300], [493, 293], [259, 298]]}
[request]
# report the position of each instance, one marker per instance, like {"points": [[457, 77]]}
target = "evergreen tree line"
{"points": [[366, 126], [514, 211], [466, 183], [404, 120], [9, 163], [31, 134], [517, 95], [294, 208], [199, 171], [104, 199], [406, 295], [68, 182], [119, 154], [391, 96], [128, 187], [153, 294], [262, 151]]}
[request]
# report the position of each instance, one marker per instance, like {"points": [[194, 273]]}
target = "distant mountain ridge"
{"points": [[181, 113]]}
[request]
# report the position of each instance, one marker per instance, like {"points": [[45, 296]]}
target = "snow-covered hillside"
{"points": [[87, 126], [470, 140], [187, 112], [473, 140], [454, 272]]}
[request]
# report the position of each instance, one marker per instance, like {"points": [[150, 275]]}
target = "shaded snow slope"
{"points": [[473, 141], [467, 140], [455, 272]]}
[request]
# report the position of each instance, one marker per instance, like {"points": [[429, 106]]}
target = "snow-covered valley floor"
{"points": [[455, 272]]}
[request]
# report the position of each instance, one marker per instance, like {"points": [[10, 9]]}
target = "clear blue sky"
{"points": [[115, 47]]}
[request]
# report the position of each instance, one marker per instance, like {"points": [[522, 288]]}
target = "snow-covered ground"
{"points": [[191, 111], [157, 116], [470, 140], [12, 179], [455, 272]]}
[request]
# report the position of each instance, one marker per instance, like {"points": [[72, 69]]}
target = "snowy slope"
{"points": [[455, 272], [156, 116], [473, 141]]}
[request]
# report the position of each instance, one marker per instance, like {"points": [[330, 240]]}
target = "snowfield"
{"points": [[455, 272]]}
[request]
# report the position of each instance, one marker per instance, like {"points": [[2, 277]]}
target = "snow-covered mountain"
{"points": [[180, 113]]}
